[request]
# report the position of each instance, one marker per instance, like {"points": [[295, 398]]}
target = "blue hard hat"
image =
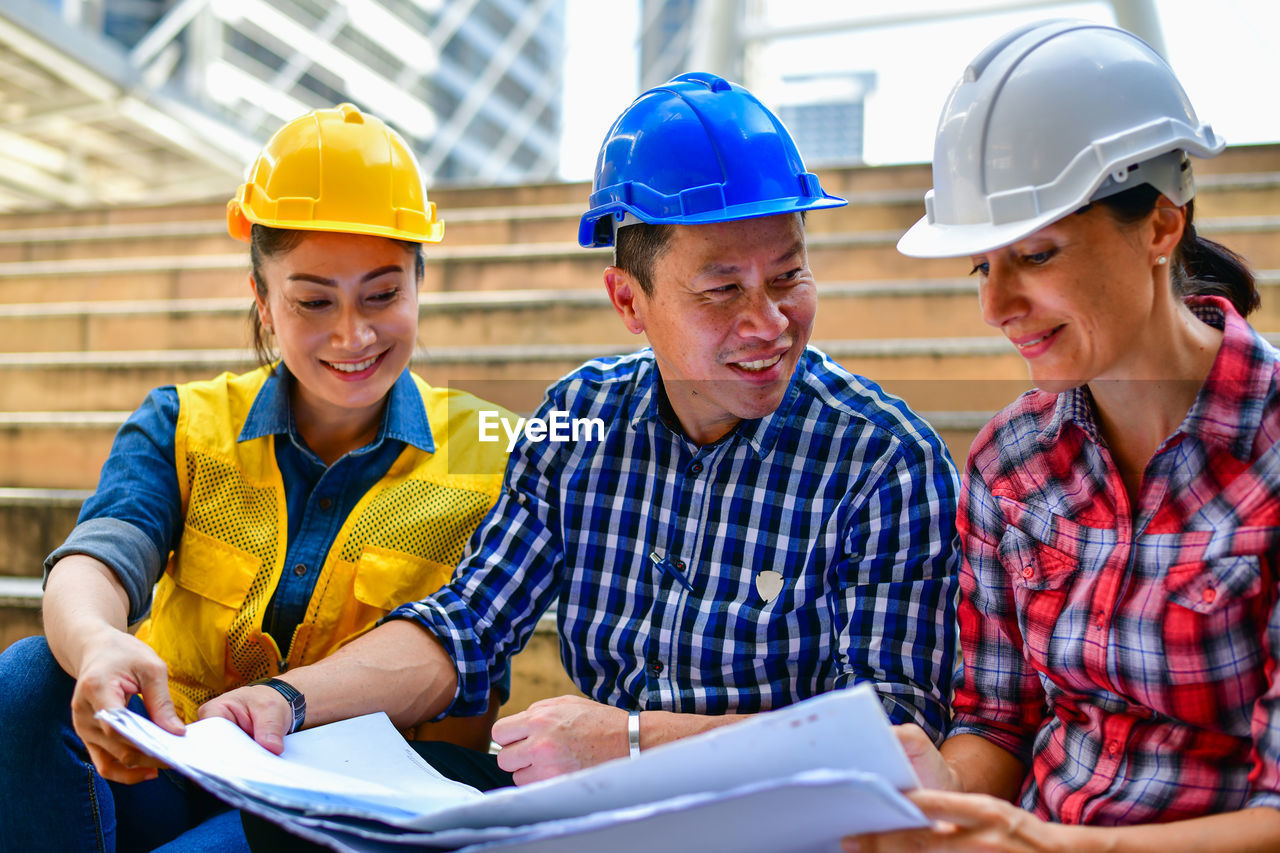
{"points": [[694, 150]]}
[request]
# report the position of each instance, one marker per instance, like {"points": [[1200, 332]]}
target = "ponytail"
{"points": [[1199, 267], [1204, 267]]}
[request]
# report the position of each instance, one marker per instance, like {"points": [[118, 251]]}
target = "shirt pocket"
{"points": [[1215, 585], [1043, 581], [1033, 565], [386, 579], [1212, 628]]}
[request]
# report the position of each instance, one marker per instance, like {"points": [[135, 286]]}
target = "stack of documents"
{"points": [[797, 779]]}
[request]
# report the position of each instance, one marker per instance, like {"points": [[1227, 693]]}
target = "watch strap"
{"points": [[297, 702]]}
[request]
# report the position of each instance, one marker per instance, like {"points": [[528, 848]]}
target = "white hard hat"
{"points": [[1045, 119]]}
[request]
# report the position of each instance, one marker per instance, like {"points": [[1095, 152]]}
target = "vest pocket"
{"points": [[386, 579], [198, 596], [214, 570]]}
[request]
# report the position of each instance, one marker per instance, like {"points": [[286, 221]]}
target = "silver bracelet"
{"points": [[633, 731]]}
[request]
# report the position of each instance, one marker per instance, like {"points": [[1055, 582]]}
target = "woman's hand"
{"points": [[259, 710], [966, 823], [115, 667]]}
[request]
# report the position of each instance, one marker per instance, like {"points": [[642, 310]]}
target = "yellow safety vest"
{"points": [[400, 543]]}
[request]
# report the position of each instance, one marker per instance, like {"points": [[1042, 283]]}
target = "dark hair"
{"points": [[1199, 267], [636, 249], [266, 242]]}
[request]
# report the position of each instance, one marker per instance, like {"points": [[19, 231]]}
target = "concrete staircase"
{"points": [[99, 306]]}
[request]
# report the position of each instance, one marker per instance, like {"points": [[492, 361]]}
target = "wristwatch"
{"points": [[297, 702]]}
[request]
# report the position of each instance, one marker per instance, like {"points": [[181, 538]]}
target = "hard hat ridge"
{"points": [[696, 149], [336, 170], [1042, 121]]}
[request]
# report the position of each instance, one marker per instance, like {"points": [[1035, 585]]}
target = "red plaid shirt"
{"points": [[1128, 653]]}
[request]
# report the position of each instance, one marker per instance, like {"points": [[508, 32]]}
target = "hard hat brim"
{"points": [[590, 237], [1169, 172], [928, 239], [434, 234]]}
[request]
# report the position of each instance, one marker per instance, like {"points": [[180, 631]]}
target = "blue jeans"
{"points": [[51, 798]]}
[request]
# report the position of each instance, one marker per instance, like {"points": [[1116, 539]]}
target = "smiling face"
{"points": [[1082, 298], [344, 309], [730, 313]]}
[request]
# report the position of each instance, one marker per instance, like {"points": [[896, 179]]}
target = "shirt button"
{"points": [[325, 503], [1113, 748], [300, 569], [1209, 595], [679, 564], [1028, 571], [655, 666]]}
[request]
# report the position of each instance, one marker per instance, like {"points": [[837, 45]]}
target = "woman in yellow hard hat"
{"points": [[253, 523], [1120, 592]]}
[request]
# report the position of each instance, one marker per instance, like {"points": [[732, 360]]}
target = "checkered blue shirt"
{"points": [[652, 549]]}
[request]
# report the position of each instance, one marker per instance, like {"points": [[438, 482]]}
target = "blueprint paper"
{"points": [[341, 767], [357, 785], [845, 729], [806, 813]]}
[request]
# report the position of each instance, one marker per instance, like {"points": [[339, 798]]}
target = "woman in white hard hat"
{"points": [[277, 514], [1121, 524]]}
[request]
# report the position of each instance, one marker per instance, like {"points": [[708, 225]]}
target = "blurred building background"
{"points": [[112, 101], [120, 101]]}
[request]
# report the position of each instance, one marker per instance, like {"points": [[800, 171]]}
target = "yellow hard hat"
{"points": [[336, 170]]}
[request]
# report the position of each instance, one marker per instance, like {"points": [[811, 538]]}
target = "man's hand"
{"points": [[117, 667], [555, 736], [965, 823], [258, 709], [930, 765]]}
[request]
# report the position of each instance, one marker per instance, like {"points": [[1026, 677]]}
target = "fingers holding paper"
{"points": [[556, 736], [118, 667], [260, 711], [963, 823]]}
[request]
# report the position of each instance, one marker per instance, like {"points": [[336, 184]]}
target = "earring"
{"points": [[1162, 260]]}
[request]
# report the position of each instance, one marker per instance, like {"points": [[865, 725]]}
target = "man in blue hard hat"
{"points": [[756, 525]]}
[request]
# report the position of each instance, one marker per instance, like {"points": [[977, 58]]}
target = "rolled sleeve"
{"points": [[1264, 780], [135, 516], [125, 549], [999, 696], [899, 602]]}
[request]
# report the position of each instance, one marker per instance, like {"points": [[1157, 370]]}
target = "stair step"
{"points": [[20, 592], [34, 521], [848, 309], [846, 255]]}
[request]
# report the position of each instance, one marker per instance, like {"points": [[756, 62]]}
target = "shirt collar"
{"points": [[404, 420], [1073, 406], [650, 404], [1228, 407]]}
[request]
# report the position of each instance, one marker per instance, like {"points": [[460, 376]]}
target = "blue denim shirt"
{"points": [[134, 519]]}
